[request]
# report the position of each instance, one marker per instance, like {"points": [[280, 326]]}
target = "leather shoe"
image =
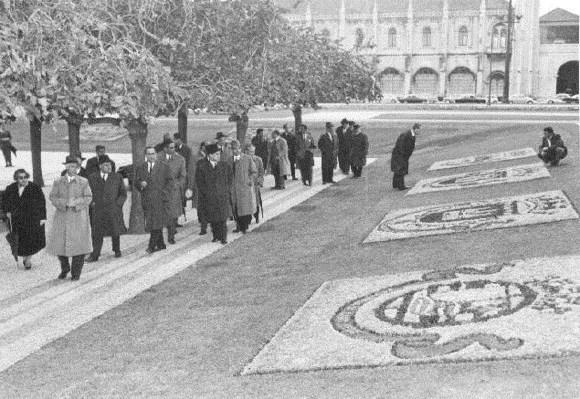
{"points": [[202, 233], [118, 254], [91, 259], [403, 188], [75, 278], [62, 275], [215, 240], [161, 247], [236, 231], [171, 241], [150, 250], [224, 242], [178, 225]]}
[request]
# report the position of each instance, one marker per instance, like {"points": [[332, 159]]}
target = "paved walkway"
{"points": [[35, 308]]}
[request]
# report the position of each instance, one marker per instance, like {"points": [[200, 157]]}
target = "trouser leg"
{"points": [[152, 239], [293, 167], [77, 265], [97, 245], [159, 242], [64, 264], [7, 154], [116, 242], [244, 222], [171, 229], [224, 230]]}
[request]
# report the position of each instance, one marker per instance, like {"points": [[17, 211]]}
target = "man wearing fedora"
{"points": [[82, 172], [70, 234], [224, 145], [327, 143], [93, 165], [400, 157], [109, 195], [214, 180], [278, 162]]}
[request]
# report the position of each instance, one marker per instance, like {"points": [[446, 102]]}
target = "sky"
{"points": [[549, 5]]}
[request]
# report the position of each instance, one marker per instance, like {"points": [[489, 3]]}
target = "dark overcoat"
{"points": [[214, 188], [156, 196], [359, 148], [93, 166], [554, 142], [343, 142], [292, 144], [261, 146], [328, 149], [27, 212], [402, 152], [107, 206], [258, 181]]}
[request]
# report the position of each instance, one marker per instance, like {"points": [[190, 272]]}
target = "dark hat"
{"points": [[343, 121], [329, 124], [104, 159], [351, 123], [220, 135], [549, 129], [70, 159], [211, 149], [355, 126]]}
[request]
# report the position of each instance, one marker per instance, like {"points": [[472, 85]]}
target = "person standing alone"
{"points": [[400, 157], [359, 149], [328, 148]]}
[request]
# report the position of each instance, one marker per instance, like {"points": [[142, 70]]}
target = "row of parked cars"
{"points": [[562, 98]]}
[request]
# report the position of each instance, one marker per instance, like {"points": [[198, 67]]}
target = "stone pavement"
{"points": [[35, 308]]}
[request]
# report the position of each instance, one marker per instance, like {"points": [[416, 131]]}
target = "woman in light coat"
{"points": [[243, 193]]}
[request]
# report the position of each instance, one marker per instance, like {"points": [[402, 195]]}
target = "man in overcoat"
{"points": [[93, 165], [552, 149], [153, 180], [243, 193], [304, 154], [109, 195], [176, 165], [400, 157], [260, 143], [359, 148], [214, 181], [290, 138], [258, 180], [343, 147], [201, 156], [70, 234], [190, 162], [278, 162], [328, 145]]}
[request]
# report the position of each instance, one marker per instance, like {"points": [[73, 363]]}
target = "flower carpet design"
{"points": [[521, 309], [549, 206], [481, 159], [481, 178]]}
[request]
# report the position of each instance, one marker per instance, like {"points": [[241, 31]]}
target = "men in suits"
{"points": [[70, 234], [552, 149], [343, 147], [304, 154], [328, 145], [400, 157], [243, 193], [290, 138], [261, 144], [223, 142], [174, 208], [278, 162], [250, 150], [359, 148], [109, 195], [153, 180], [190, 161], [214, 180], [93, 163], [201, 218]]}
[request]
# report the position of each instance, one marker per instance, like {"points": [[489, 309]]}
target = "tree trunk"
{"points": [[182, 123], [242, 127], [36, 150], [138, 135], [297, 111], [74, 131]]}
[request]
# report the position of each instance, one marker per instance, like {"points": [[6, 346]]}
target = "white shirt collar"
{"points": [[413, 132], [70, 178]]}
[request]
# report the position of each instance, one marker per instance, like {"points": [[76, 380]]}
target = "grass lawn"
{"points": [[191, 335]]}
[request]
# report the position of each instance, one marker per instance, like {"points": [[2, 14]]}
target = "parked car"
{"points": [[522, 100], [572, 99], [389, 98], [471, 100], [558, 99], [412, 99]]}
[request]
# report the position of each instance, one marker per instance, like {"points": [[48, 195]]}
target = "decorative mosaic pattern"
{"points": [[549, 206], [521, 309], [479, 159], [481, 178]]}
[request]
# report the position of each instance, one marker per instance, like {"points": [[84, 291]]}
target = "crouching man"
{"points": [[552, 149]]}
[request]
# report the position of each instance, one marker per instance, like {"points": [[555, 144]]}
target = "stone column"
{"points": [[445, 50], [410, 46], [481, 46]]}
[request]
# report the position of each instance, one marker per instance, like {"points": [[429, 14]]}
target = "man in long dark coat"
{"points": [[304, 154], [327, 143], [25, 205], [93, 165], [153, 180], [290, 138], [552, 149], [401, 153], [109, 195], [343, 147], [260, 143], [359, 148], [214, 181]]}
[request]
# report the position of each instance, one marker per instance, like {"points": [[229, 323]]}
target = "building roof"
{"points": [[559, 15], [332, 7]]}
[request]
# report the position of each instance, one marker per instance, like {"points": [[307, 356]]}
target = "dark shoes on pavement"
{"points": [[171, 241], [118, 254], [62, 275], [91, 259]]}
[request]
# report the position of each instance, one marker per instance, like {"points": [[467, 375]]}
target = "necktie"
{"points": [[150, 167], [105, 177]]}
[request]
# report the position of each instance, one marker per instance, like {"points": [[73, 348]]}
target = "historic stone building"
{"points": [[451, 47]]}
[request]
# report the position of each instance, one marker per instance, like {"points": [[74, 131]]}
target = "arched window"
{"points": [[426, 36], [499, 39], [392, 38], [463, 36]]}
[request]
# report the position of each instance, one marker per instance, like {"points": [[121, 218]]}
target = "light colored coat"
{"points": [[71, 229], [176, 165], [243, 193], [282, 158]]}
